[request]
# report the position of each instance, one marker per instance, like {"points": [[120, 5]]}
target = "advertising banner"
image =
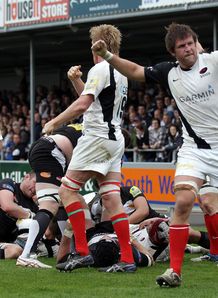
{"points": [[53, 10], [27, 14], [14, 170], [17, 169], [23, 12], [92, 8], [157, 184], [160, 3]]}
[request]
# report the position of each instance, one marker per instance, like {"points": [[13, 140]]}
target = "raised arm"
{"points": [[74, 75], [76, 109], [129, 69]]}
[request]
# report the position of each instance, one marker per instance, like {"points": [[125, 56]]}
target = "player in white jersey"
{"points": [[192, 81], [98, 152]]}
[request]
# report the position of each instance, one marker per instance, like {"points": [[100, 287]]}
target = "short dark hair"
{"points": [[105, 253], [177, 31]]}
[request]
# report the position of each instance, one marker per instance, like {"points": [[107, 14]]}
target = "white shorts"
{"points": [[198, 163], [97, 154]]}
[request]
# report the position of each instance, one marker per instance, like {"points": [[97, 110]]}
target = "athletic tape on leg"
{"points": [[49, 194], [207, 189], [186, 185], [71, 184], [109, 187]]}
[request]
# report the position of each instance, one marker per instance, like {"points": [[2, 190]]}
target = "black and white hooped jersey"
{"points": [[196, 93], [109, 87]]}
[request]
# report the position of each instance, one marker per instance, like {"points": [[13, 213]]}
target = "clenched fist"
{"points": [[99, 48], [74, 73]]}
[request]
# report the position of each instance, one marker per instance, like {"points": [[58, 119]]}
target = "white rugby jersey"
{"points": [[109, 87], [159, 253], [196, 93]]}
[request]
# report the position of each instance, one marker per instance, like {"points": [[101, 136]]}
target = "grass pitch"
{"points": [[199, 280]]}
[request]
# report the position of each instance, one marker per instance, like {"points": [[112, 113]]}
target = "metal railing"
{"points": [[135, 154], [137, 157]]}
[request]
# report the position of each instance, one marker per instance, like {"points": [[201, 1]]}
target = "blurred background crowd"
{"points": [[150, 117]]}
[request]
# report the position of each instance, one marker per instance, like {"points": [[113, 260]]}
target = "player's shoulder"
{"points": [[134, 191], [7, 184], [166, 66], [209, 57], [101, 66]]}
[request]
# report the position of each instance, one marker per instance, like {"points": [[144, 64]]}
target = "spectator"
{"points": [[157, 138], [139, 137], [38, 126], [25, 132], [166, 120], [141, 110], [132, 116], [168, 106], [176, 119], [174, 142], [8, 145], [158, 114], [43, 108], [159, 104], [132, 97], [18, 149], [150, 107]]}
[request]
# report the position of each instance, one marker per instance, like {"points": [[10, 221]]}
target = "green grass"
{"points": [[199, 280]]}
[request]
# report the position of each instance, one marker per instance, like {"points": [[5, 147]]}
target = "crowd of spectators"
{"points": [[151, 118]]}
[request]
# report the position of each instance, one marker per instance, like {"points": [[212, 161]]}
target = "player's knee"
{"points": [[185, 191], [208, 198]]}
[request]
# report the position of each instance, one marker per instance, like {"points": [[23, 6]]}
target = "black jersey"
{"points": [[8, 228], [45, 156], [72, 131], [129, 194], [101, 228]]}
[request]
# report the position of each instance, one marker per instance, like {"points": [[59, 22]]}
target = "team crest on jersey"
{"points": [[135, 191], [7, 186], [91, 85], [203, 70]]}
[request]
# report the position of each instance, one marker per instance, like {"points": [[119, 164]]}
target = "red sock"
{"points": [[77, 219], [211, 222], [178, 236], [121, 227]]}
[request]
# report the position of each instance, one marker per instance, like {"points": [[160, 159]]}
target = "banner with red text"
{"points": [[30, 14], [23, 12]]}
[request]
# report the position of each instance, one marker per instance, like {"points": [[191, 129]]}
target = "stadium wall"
{"points": [[156, 180]]}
